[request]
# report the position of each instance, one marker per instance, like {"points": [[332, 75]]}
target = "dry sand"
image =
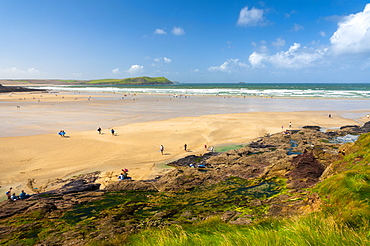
{"points": [[46, 157]]}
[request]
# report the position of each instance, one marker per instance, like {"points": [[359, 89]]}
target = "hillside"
{"points": [[300, 188], [128, 81], [132, 81]]}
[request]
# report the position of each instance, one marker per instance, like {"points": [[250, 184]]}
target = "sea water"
{"points": [[285, 90]]}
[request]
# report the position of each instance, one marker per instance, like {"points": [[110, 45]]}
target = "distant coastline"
{"points": [[7, 89], [128, 81]]}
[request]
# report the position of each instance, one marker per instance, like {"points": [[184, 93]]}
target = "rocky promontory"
{"points": [[4, 89]]}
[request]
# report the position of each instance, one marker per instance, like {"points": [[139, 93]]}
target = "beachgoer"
{"points": [[99, 130], [9, 193], [367, 116], [14, 197], [329, 115], [62, 133], [161, 149], [124, 173], [23, 195], [290, 124], [185, 146], [205, 146], [212, 149], [112, 131]]}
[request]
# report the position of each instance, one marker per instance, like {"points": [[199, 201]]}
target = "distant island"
{"points": [[128, 81]]}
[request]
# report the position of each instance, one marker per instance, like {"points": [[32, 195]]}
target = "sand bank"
{"points": [[46, 157]]}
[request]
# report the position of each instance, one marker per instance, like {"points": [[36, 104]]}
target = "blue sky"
{"points": [[186, 41]]}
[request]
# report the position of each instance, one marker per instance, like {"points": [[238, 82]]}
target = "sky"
{"points": [[189, 41]]}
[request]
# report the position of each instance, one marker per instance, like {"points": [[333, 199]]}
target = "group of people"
{"points": [[62, 133], [112, 131], [13, 197]]}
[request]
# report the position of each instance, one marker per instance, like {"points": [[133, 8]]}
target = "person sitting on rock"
{"points": [[9, 193], [23, 195], [14, 197]]}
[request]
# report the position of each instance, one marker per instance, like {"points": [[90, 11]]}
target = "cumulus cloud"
{"points": [[252, 17], [135, 69], [160, 31], [178, 31], [294, 57], [14, 72], [167, 60], [159, 60], [116, 71], [229, 66], [279, 42], [353, 33]]}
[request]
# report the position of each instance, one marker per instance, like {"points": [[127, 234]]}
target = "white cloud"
{"points": [[229, 66], [295, 57], [116, 71], [353, 33], [322, 34], [297, 27], [135, 69], [252, 17], [159, 60], [256, 60], [177, 31], [160, 31], [167, 60], [279, 42], [14, 72]]}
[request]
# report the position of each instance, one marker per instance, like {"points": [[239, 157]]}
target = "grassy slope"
{"points": [[343, 220], [133, 81]]}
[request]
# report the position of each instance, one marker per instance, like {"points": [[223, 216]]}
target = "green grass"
{"points": [[310, 230], [133, 81], [224, 148]]}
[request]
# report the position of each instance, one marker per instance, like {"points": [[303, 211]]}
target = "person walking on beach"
{"points": [[290, 124], [161, 149], [99, 130], [185, 147], [62, 133], [112, 131]]}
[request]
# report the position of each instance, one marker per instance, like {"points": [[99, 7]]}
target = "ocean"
{"points": [[282, 90]]}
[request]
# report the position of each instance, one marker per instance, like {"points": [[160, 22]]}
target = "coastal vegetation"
{"points": [[144, 80], [210, 207], [132, 81]]}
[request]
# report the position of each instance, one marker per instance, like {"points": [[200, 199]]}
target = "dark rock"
{"points": [[132, 185], [4, 89], [306, 171], [316, 128], [366, 127], [352, 127]]}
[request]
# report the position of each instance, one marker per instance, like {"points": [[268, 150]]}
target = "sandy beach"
{"points": [[32, 150]]}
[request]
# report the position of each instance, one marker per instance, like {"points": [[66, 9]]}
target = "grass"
{"points": [[309, 230], [137, 80]]}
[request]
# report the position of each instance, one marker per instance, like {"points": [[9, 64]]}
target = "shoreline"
{"points": [[47, 157]]}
